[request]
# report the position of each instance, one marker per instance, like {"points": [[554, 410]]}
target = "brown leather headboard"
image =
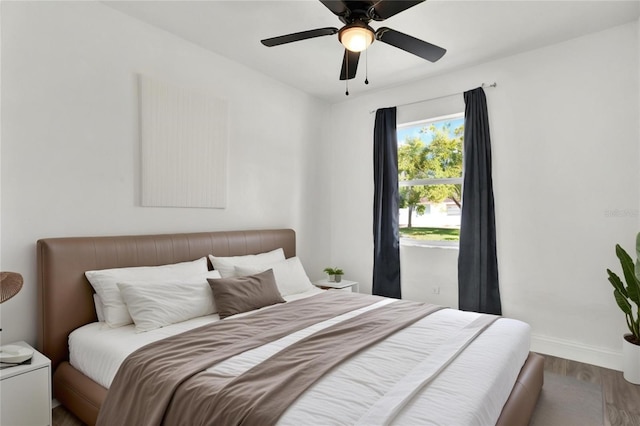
{"points": [[65, 297]]}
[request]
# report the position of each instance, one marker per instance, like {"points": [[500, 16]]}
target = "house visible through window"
{"points": [[430, 177]]}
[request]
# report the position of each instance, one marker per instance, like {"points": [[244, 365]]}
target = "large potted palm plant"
{"points": [[628, 299]]}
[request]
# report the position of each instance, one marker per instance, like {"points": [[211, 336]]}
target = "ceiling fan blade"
{"points": [[336, 6], [425, 50], [387, 8], [350, 62], [303, 35]]}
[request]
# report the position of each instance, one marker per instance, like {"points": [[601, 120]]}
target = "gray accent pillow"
{"points": [[242, 294]]}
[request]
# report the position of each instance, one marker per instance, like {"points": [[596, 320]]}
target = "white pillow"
{"points": [[104, 282], [153, 305], [226, 265], [290, 275], [99, 309]]}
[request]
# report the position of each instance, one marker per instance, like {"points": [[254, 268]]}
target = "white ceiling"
{"points": [[472, 32]]}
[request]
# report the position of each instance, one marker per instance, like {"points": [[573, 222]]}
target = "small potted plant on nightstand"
{"points": [[335, 274]]}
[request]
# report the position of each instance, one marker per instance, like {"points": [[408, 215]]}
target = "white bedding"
{"points": [[470, 391]]}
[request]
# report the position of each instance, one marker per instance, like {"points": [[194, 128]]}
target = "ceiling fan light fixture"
{"points": [[356, 37]]}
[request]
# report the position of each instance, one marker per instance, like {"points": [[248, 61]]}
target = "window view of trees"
{"points": [[430, 174]]}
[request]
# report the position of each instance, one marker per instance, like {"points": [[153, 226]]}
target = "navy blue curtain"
{"points": [[386, 260], [478, 288]]}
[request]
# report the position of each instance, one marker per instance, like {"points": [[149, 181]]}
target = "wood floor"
{"points": [[621, 399]]}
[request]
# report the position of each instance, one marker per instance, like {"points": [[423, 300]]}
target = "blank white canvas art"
{"points": [[183, 136]]}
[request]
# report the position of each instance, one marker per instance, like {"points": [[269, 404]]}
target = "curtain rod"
{"points": [[484, 85]]}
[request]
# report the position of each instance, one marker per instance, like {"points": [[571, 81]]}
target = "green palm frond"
{"points": [[627, 293]]}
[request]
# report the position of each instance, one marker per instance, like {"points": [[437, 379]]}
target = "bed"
{"points": [[66, 304]]}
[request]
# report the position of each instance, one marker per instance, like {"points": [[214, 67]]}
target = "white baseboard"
{"points": [[577, 351]]}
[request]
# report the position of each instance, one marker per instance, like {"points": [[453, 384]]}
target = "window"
{"points": [[430, 178]]}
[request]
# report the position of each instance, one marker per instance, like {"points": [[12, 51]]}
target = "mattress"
{"points": [[470, 391]]}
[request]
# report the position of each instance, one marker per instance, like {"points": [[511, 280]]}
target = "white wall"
{"points": [[70, 151], [565, 130]]}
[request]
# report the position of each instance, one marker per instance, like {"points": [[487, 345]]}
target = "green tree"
{"points": [[440, 158], [412, 163], [444, 160]]}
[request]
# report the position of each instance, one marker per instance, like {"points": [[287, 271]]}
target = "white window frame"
{"points": [[441, 181]]}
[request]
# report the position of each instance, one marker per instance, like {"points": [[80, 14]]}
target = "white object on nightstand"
{"points": [[15, 354], [344, 285], [25, 391]]}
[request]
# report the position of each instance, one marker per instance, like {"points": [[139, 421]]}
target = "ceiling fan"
{"points": [[356, 35]]}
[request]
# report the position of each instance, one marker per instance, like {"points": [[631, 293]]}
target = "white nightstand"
{"points": [[25, 392], [344, 285]]}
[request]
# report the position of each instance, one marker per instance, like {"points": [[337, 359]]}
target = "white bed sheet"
{"points": [[470, 391]]}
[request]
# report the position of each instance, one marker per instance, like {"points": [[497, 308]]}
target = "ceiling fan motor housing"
{"points": [[358, 11]]}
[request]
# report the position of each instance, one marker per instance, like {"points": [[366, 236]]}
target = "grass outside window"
{"points": [[430, 234]]}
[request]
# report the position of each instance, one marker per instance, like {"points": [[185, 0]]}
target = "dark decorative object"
{"points": [[10, 285], [11, 355]]}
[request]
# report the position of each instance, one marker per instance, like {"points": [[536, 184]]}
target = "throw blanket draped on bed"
{"points": [[262, 394]]}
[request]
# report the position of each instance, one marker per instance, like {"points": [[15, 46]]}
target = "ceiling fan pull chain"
{"points": [[346, 76], [366, 66]]}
